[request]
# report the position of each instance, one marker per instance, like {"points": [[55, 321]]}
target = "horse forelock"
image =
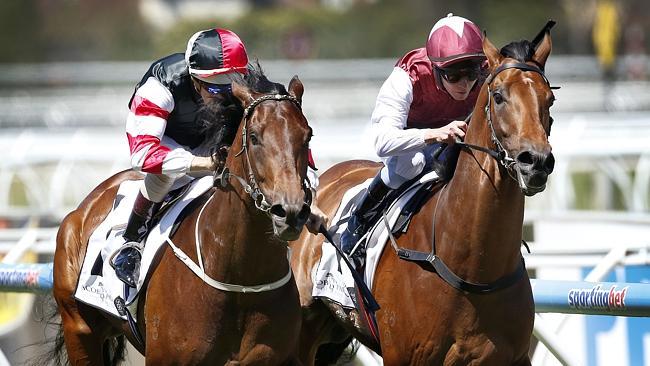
{"points": [[257, 82], [521, 51], [219, 121]]}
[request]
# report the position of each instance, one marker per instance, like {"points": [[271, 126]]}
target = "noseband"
{"points": [[500, 154], [252, 187]]}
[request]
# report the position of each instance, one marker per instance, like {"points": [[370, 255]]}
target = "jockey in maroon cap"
{"points": [[422, 104]]}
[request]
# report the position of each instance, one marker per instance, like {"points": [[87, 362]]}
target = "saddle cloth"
{"points": [[98, 285], [331, 276]]}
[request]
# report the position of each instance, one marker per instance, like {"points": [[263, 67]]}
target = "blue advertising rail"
{"points": [[593, 298], [26, 277], [570, 297]]}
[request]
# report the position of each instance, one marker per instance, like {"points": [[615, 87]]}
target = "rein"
{"points": [[253, 189]]}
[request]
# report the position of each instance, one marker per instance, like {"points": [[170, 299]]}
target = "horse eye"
{"points": [[498, 98], [254, 140]]}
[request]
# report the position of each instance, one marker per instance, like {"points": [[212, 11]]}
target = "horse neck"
{"points": [[236, 237], [483, 207]]}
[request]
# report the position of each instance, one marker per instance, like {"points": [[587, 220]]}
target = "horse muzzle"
{"points": [[533, 169], [288, 220]]}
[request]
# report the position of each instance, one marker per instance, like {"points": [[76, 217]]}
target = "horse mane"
{"points": [[521, 51], [256, 81], [219, 121]]}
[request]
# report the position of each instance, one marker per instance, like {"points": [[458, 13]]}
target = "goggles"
{"points": [[218, 88], [455, 75]]}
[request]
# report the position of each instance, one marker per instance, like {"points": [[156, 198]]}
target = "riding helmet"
{"points": [[453, 39], [214, 54]]}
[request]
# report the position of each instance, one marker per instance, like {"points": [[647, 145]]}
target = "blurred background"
{"points": [[68, 68]]}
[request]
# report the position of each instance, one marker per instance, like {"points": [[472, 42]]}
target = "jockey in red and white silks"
{"points": [[166, 137], [164, 133], [423, 103]]}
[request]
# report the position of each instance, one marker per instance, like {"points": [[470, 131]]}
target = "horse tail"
{"points": [[336, 353], [51, 350], [114, 350], [59, 354]]}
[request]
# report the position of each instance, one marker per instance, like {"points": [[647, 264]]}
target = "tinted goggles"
{"points": [[455, 75], [218, 88]]}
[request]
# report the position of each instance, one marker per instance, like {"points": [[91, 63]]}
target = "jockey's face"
{"points": [[212, 93], [459, 90], [460, 78]]}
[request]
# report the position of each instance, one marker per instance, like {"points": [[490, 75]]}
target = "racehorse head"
{"points": [[517, 110], [272, 147]]}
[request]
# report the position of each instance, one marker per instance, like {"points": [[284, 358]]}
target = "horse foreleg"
{"points": [[83, 346]]}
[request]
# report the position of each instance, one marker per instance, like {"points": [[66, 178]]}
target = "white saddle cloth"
{"points": [[101, 290], [332, 277]]}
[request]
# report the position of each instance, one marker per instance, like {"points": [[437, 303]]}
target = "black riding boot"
{"points": [[364, 214], [127, 260]]}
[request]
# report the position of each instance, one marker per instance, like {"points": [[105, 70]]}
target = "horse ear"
{"points": [[492, 53], [296, 88], [242, 93], [543, 50]]}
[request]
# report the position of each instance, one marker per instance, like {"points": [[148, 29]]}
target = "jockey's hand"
{"points": [[446, 134], [220, 157], [316, 219], [201, 164]]}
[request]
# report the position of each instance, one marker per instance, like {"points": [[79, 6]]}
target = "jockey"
{"points": [[165, 137], [422, 104]]}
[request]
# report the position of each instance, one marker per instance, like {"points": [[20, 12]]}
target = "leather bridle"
{"points": [[251, 186], [499, 153]]}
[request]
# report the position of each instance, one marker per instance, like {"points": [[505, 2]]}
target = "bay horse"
{"points": [[476, 222], [243, 229]]}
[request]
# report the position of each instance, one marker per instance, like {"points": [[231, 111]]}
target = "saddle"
{"points": [[98, 286], [443, 165]]}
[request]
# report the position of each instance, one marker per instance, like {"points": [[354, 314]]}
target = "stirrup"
{"points": [[126, 263], [359, 244]]}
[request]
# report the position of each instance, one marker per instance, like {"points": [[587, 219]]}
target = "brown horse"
{"points": [[243, 229], [476, 221]]}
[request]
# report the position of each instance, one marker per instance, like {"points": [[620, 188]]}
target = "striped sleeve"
{"points": [[145, 127]]}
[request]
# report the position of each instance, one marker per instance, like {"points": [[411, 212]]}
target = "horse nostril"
{"points": [[525, 158], [304, 213], [549, 163], [278, 210]]}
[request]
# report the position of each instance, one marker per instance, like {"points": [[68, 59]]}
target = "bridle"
{"points": [[430, 260], [500, 154], [252, 187]]}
